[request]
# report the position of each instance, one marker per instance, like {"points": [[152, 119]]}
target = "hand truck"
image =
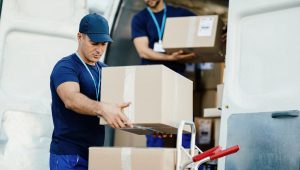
{"points": [[193, 161]]}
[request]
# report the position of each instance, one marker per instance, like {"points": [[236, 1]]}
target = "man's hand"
{"points": [[180, 55], [114, 116], [162, 135], [224, 34]]}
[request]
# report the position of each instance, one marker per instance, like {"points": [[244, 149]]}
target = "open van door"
{"points": [[34, 35], [260, 109]]}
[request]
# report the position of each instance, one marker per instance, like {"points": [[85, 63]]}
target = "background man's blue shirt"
{"points": [[73, 132]]}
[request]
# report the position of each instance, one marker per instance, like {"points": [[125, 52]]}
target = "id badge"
{"points": [[158, 47]]}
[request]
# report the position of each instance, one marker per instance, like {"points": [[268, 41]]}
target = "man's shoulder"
{"points": [[179, 11], [67, 60], [175, 8], [141, 15]]}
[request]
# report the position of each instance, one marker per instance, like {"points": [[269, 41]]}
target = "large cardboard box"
{"points": [[210, 78], [204, 99], [160, 98], [209, 99], [199, 34], [132, 158]]}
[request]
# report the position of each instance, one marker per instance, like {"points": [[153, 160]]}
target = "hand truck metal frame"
{"points": [[194, 161]]}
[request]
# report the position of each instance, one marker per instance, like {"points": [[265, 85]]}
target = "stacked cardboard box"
{"points": [[160, 99], [205, 93], [198, 34], [204, 130], [126, 139], [132, 158], [215, 113]]}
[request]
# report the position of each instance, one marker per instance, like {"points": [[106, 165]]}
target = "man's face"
{"points": [[152, 3], [91, 51]]}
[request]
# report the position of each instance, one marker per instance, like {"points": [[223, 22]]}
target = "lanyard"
{"points": [[94, 81], [159, 30]]}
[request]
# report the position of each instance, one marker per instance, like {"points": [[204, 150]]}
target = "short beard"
{"points": [[155, 5]]}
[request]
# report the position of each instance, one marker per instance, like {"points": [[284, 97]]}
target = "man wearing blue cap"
{"points": [[76, 108]]}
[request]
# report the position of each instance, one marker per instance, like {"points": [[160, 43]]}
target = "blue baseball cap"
{"points": [[95, 27]]}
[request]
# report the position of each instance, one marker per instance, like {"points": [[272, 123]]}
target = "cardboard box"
{"points": [[220, 88], [204, 99], [199, 34], [160, 98], [132, 158], [126, 139], [209, 99], [217, 124], [212, 77], [212, 112], [203, 130]]}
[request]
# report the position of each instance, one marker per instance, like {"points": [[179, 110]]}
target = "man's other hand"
{"points": [[114, 116]]}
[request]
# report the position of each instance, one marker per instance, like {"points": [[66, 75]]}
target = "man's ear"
{"points": [[79, 36]]}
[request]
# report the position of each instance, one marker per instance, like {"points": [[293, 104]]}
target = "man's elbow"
{"points": [[142, 54], [142, 51], [69, 104]]}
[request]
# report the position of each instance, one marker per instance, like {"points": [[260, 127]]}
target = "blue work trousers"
{"points": [[67, 162]]}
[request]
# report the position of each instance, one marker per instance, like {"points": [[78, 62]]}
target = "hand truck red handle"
{"points": [[216, 155], [207, 153], [225, 152]]}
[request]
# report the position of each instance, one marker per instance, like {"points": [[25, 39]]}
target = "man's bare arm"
{"points": [[141, 45]]}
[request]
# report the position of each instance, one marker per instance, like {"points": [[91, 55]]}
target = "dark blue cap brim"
{"points": [[100, 38]]}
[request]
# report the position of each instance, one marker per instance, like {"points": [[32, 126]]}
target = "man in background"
{"points": [[147, 28]]}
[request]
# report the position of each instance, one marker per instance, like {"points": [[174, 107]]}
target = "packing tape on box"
{"points": [[175, 99], [192, 25], [129, 92], [126, 159]]}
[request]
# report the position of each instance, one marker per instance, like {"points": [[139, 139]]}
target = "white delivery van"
{"points": [[261, 95]]}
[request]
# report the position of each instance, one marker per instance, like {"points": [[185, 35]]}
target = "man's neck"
{"points": [[159, 7], [84, 59]]}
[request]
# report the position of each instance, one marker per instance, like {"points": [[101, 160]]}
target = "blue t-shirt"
{"points": [[143, 25], [74, 133]]}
